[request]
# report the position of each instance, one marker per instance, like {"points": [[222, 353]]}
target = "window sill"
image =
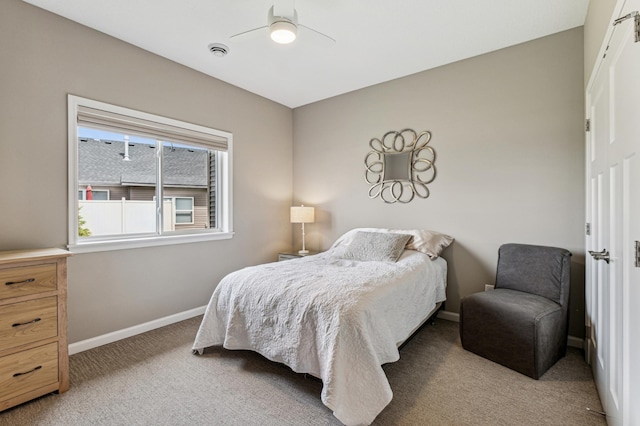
{"points": [[124, 244]]}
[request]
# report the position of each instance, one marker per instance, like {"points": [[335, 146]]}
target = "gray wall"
{"points": [[508, 134], [507, 129], [45, 57]]}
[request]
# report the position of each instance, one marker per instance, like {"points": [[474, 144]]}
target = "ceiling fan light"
{"points": [[283, 32]]}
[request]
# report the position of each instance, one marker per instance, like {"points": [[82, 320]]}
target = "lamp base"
{"points": [[303, 251]]}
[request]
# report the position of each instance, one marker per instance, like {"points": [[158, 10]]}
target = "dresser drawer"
{"points": [[28, 370], [27, 322], [27, 280]]}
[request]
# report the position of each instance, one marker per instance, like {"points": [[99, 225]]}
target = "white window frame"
{"points": [[224, 190]]}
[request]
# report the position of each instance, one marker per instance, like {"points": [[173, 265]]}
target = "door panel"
{"points": [[613, 289]]}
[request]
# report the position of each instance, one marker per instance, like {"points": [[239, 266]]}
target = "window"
{"points": [[93, 194], [183, 209], [122, 162]]}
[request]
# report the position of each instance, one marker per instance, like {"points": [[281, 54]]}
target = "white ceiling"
{"points": [[376, 40]]}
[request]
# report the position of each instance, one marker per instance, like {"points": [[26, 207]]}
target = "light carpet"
{"points": [[154, 379]]}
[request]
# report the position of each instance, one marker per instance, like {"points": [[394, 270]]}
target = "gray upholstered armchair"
{"points": [[522, 323]]}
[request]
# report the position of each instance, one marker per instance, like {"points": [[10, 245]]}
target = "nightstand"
{"points": [[293, 255]]}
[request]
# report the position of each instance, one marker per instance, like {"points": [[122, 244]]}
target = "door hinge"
{"points": [[636, 25], [637, 254], [587, 228], [587, 125]]}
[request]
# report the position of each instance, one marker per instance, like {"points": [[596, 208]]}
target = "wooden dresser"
{"points": [[34, 356]]}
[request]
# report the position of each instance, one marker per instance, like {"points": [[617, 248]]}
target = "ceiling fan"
{"points": [[283, 26]]}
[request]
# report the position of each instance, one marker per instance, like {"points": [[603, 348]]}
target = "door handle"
{"points": [[600, 255]]}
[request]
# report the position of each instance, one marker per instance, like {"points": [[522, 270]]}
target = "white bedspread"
{"points": [[336, 319]]}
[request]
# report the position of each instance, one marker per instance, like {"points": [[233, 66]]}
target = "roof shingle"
{"points": [[101, 162]]}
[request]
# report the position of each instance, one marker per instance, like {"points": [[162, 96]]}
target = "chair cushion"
{"points": [[534, 269], [519, 330]]}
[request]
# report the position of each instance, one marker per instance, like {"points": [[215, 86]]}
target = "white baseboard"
{"points": [[449, 316], [574, 342], [94, 342], [114, 336]]}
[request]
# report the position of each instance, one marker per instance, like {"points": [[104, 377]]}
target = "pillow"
{"points": [[376, 246], [430, 243]]}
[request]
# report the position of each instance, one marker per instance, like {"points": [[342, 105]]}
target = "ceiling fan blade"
{"points": [[245, 33], [324, 37]]}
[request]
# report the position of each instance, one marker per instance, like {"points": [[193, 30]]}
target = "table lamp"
{"points": [[302, 215]]}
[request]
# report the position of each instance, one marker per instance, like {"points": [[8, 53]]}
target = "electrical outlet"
{"points": [[488, 287]]}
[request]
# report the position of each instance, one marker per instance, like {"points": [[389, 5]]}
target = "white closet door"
{"points": [[613, 193]]}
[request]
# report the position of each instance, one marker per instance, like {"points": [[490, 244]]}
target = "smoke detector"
{"points": [[218, 49]]}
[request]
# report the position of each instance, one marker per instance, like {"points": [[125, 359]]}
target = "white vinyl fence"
{"points": [[112, 217]]}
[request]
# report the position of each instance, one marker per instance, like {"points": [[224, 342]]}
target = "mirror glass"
{"points": [[396, 166]]}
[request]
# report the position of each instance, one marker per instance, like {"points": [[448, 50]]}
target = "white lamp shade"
{"points": [[302, 214], [283, 32]]}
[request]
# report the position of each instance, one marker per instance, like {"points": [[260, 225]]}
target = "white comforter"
{"points": [[336, 319]]}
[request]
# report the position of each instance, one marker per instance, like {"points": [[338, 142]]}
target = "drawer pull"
{"points": [[18, 324], [27, 372], [30, 280]]}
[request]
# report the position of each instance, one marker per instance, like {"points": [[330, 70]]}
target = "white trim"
{"points": [[72, 166], [574, 342], [95, 246], [114, 336], [449, 316], [94, 342]]}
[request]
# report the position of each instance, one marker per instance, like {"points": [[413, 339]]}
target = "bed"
{"points": [[338, 315]]}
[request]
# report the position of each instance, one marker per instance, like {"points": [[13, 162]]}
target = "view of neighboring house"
{"points": [[117, 186]]}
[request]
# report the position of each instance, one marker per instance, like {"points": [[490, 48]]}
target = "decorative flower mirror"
{"points": [[400, 166]]}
